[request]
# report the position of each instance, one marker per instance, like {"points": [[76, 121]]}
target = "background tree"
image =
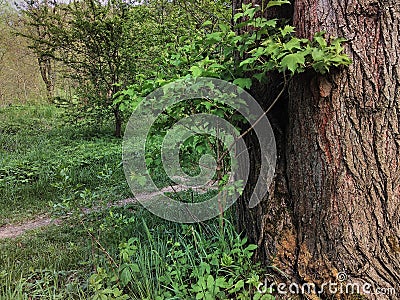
{"points": [[333, 206], [19, 72], [106, 45], [37, 13]]}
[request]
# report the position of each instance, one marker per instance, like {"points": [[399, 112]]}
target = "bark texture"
{"points": [[343, 156], [335, 204]]}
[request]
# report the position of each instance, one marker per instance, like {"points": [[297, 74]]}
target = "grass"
{"points": [[47, 167], [49, 264], [38, 156]]}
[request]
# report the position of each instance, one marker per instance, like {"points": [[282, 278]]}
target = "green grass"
{"points": [[50, 264], [41, 161], [48, 167]]}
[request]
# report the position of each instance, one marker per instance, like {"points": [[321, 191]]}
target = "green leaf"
{"points": [[317, 54], [292, 61], [210, 283], [125, 276], [319, 38], [294, 43], [257, 52], [214, 37], [223, 27], [277, 3], [243, 82], [337, 44], [219, 112], [221, 282], [237, 16], [134, 268], [239, 285], [209, 296], [260, 76], [287, 30], [196, 71], [271, 23], [251, 247], [321, 41], [207, 23], [247, 61], [320, 67], [251, 11]]}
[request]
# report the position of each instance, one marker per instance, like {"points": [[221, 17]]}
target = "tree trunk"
{"points": [[47, 73], [114, 88], [334, 205], [117, 121]]}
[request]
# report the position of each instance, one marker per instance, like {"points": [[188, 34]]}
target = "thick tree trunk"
{"points": [[343, 156], [334, 207]]}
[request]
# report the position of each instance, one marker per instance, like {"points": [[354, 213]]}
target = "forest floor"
{"points": [[18, 229], [60, 206]]}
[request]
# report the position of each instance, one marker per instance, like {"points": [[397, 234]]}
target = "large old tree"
{"points": [[335, 202]]}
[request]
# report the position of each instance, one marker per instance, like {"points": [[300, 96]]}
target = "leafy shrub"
{"points": [[188, 262]]}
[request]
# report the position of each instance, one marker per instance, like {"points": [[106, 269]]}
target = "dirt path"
{"points": [[15, 230]]}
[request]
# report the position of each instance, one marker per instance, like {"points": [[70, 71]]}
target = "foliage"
{"points": [[104, 44], [243, 54], [82, 169], [68, 169], [196, 145], [45, 265], [186, 262], [230, 53], [43, 164], [73, 170], [46, 168]]}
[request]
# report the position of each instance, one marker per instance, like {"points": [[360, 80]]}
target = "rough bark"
{"points": [[334, 205], [343, 156]]}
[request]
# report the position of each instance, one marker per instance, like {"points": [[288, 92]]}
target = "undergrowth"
{"points": [[208, 261], [112, 252]]}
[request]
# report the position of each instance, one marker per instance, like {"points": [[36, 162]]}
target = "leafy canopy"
{"points": [[241, 53]]}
